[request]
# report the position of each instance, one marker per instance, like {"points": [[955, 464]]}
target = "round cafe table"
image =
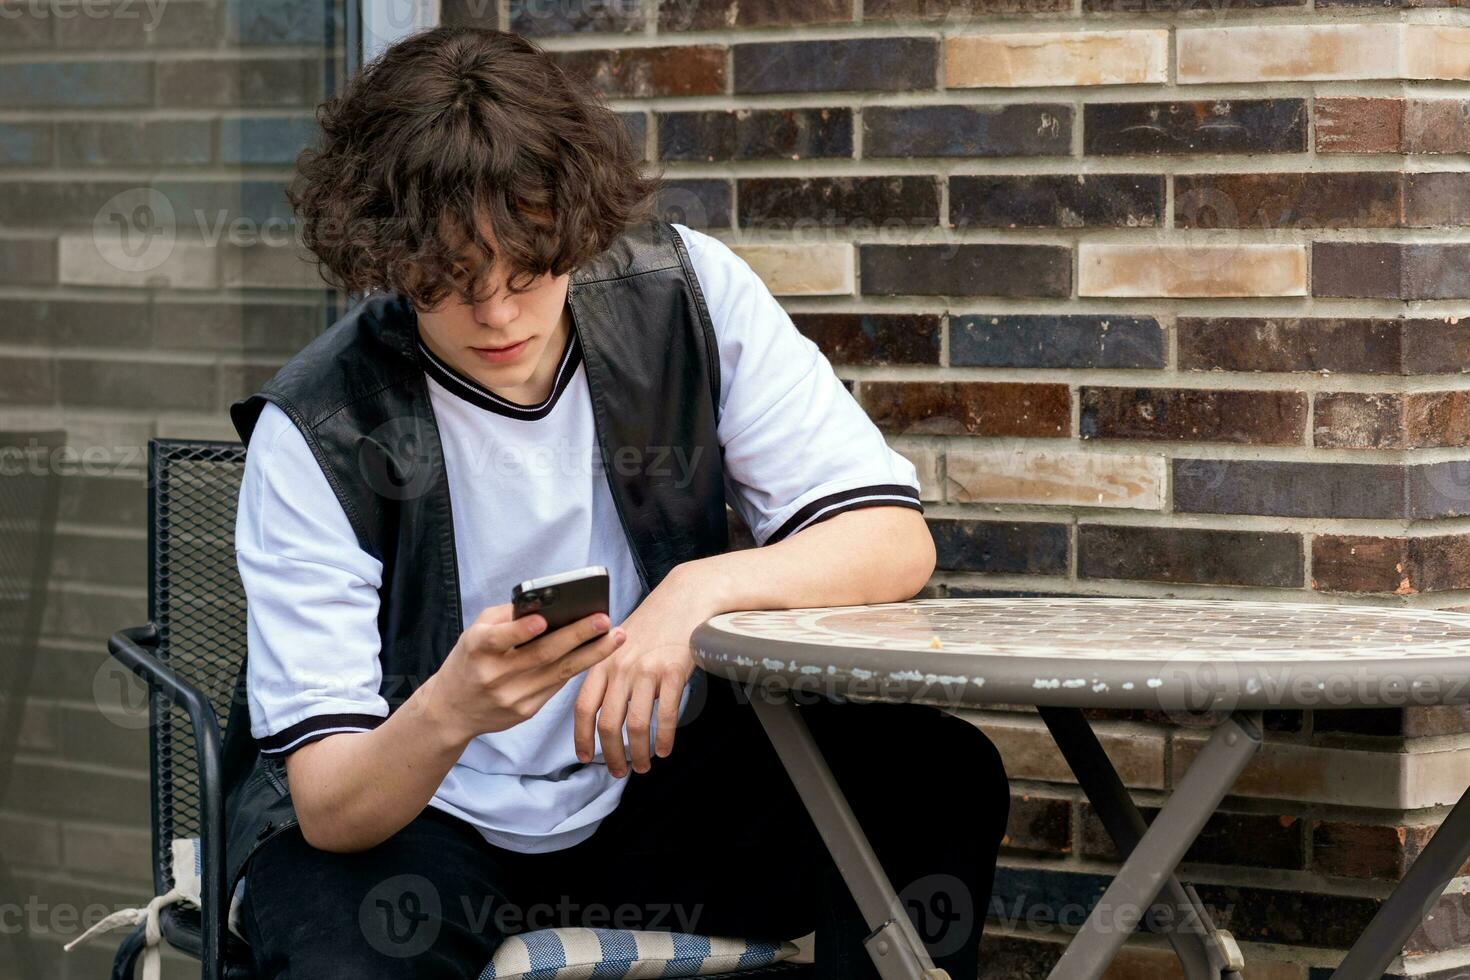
{"points": [[1216, 662]]}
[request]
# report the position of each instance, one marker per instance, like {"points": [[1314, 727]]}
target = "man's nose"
{"points": [[498, 310]]}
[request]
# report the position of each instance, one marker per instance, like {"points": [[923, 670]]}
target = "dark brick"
{"points": [[27, 380], [536, 18], [1192, 555], [1355, 850], [139, 25], [275, 22], [1436, 271], [246, 328], [28, 26], [1359, 125], [1436, 490], [993, 546], [1204, 126], [28, 261], [1047, 340], [56, 204], [265, 139], [982, 408], [63, 323], [874, 339], [1296, 918], [135, 142], [237, 83], [1181, 6], [966, 270], [133, 384], [949, 9], [1012, 130], [1358, 420], [471, 13], [114, 500], [1439, 199], [1253, 418], [76, 84], [1255, 840], [1057, 201], [1288, 489], [1436, 126], [714, 15], [637, 124], [641, 73], [889, 64], [1437, 345], [1357, 269], [755, 134], [1353, 345], [1413, 722], [1038, 825], [827, 202], [1333, 199], [1397, 566], [25, 144], [203, 206], [696, 203]]}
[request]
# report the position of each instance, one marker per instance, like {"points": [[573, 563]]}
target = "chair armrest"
{"points": [[137, 649]]}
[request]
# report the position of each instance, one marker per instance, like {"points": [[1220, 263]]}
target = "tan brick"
{"points": [[269, 267], [1108, 269], [802, 270], [1436, 51], [1073, 479], [1006, 60], [926, 462], [1277, 51], [1029, 752], [89, 261]]}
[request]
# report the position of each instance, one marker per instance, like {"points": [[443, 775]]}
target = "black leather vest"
{"points": [[359, 396]]}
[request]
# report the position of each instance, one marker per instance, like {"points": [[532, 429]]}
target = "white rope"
{"points": [[152, 954]]}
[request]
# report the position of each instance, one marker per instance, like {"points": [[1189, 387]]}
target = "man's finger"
{"points": [[551, 647], [610, 727], [589, 699], [640, 718], [493, 615], [670, 693]]}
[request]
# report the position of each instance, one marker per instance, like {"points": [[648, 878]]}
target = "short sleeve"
{"points": [[312, 667], [798, 448]]}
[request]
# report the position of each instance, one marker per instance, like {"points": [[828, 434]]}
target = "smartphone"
{"points": [[563, 598]]}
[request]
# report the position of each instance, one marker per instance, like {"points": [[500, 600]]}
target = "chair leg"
{"points": [[128, 952]]}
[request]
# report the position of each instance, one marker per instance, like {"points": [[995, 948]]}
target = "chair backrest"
{"points": [[29, 499], [198, 604]]}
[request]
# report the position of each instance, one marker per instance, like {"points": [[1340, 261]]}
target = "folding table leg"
{"points": [[1402, 911], [1204, 952], [894, 944], [1161, 848]]}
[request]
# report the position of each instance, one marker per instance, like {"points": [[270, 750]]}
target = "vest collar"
{"points": [[477, 394]]}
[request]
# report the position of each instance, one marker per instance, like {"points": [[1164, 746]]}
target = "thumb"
{"points": [[495, 615]]}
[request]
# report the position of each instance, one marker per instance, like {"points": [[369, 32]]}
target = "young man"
{"points": [[540, 380]]}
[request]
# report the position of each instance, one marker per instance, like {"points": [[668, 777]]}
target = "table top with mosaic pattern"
{"points": [[1103, 652]]}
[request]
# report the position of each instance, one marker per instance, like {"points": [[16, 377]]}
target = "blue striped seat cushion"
{"points": [[608, 954]]}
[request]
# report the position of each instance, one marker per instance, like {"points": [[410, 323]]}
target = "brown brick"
{"points": [[1057, 201], [1412, 722], [1413, 420], [1170, 6], [1436, 345], [537, 18], [966, 270], [1354, 345], [239, 82], [755, 134], [28, 261], [1436, 126], [1189, 555], [1289, 200], [1278, 488], [948, 9], [1255, 840], [27, 380], [713, 15], [1008, 130], [1359, 125], [1256, 418], [1203, 126], [1038, 825], [873, 338], [1355, 850], [641, 73], [982, 408], [1437, 199], [142, 385], [1391, 270], [1397, 566], [806, 202]]}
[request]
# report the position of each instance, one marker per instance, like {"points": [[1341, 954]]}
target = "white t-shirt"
{"points": [[530, 498]]}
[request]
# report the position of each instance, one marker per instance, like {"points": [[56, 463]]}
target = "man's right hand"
{"points": [[502, 669]]}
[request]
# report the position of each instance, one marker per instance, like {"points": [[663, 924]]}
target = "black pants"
{"points": [[712, 840]]}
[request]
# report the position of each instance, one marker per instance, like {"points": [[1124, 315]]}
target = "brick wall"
{"points": [[148, 277], [1162, 298]]}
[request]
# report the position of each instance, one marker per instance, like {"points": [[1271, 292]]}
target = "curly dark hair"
{"points": [[454, 124]]}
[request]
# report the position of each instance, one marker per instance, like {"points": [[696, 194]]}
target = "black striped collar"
{"points": [[477, 394]]}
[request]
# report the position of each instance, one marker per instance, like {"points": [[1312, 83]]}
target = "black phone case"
{"points": [[563, 604]]}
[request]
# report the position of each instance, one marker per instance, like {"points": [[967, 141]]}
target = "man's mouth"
{"points": [[498, 354]]}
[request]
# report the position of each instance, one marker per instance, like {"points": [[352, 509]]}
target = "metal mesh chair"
{"points": [[190, 655], [29, 496]]}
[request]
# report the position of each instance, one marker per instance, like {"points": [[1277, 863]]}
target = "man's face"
{"points": [[501, 338]]}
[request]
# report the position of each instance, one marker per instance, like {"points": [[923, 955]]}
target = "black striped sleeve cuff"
{"points": [[879, 495], [309, 730]]}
